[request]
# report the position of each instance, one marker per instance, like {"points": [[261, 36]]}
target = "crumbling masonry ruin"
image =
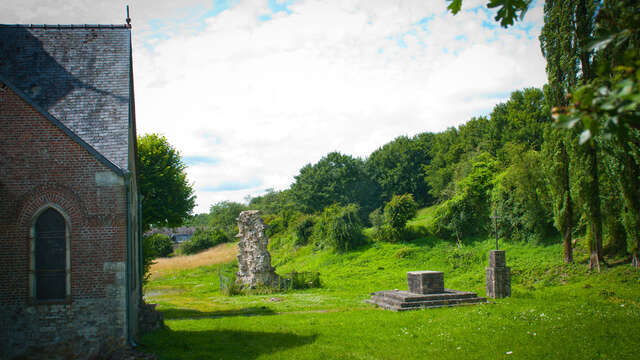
{"points": [[254, 260]]}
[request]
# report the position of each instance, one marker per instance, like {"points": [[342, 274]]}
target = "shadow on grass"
{"points": [[219, 344], [177, 314]]}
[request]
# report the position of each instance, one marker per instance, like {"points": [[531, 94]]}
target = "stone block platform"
{"points": [[426, 290], [397, 300]]}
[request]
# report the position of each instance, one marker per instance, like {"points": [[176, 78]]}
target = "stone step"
{"points": [[406, 296], [391, 300], [398, 303]]}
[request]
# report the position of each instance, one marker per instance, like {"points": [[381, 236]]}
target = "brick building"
{"points": [[70, 260]]}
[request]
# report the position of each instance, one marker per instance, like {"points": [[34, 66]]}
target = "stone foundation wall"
{"points": [[82, 329]]}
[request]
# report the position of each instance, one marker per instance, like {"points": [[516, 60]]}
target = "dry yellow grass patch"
{"points": [[219, 254]]}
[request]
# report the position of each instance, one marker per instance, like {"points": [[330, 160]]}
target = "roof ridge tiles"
{"points": [[68, 26]]}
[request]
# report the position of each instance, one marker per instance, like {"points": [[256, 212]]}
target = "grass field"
{"points": [[556, 311], [219, 254]]}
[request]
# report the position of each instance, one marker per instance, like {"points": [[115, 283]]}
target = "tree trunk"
{"points": [[568, 248], [630, 185], [595, 213]]}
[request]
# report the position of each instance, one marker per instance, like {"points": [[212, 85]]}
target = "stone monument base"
{"points": [[395, 300], [426, 290]]}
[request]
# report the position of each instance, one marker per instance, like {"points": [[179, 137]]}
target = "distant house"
{"points": [[69, 203], [182, 234], [177, 235]]}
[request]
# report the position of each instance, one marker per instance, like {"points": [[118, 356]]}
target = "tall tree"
{"points": [[336, 178], [167, 196], [397, 167], [223, 216], [559, 48], [557, 173], [520, 120], [607, 104], [565, 37]]}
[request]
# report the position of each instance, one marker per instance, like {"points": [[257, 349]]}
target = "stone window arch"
{"points": [[50, 257]]}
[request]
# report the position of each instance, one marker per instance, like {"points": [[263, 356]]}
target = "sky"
{"points": [[250, 91]]}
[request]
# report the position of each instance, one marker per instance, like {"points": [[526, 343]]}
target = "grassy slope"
{"points": [[556, 311]]}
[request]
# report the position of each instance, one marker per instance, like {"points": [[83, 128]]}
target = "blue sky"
{"points": [[249, 91]]}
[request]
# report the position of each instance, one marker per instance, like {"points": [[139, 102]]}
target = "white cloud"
{"points": [[265, 98]]}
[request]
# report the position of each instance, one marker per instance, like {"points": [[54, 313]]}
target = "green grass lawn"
{"points": [[556, 311]]}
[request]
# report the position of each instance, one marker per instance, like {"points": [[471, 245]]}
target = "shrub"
{"points": [[399, 210], [467, 213], [388, 234], [522, 201], [376, 217], [148, 255], [303, 230], [339, 227], [161, 244], [204, 239], [276, 224]]}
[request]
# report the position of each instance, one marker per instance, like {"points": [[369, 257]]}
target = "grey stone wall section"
{"points": [[85, 328], [498, 275], [254, 260]]}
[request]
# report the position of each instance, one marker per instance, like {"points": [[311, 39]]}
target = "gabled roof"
{"points": [[79, 74]]}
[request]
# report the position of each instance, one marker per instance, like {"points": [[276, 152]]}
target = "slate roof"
{"points": [[80, 74]]}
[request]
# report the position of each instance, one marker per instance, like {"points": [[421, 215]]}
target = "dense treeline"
{"points": [[503, 165], [537, 180]]}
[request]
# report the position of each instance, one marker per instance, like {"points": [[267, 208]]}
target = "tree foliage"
{"points": [[565, 39], [224, 215], [203, 239], [274, 202], [167, 196], [608, 103], [148, 256], [397, 167], [339, 227], [160, 244], [467, 213], [520, 198], [336, 178], [399, 210], [508, 10], [304, 229]]}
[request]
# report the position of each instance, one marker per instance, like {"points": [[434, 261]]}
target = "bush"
{"points": [[276, 224], [376, 217], [148, 255], [161, 244], [388, 234], [522, 201], [339, 227], [303, 230], [399, 210], [204, 239], [467, 213]]}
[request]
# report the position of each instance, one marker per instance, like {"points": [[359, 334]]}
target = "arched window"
{"points": [[50, 256]]}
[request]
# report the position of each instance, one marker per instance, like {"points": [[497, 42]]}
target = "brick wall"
{"points": [[40, 164]]}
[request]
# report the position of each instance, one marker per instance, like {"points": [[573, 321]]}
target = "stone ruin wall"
{"points": [[254, 260]]}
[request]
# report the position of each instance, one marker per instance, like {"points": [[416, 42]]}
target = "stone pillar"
{"points": [[498, 275], [426, 282], [254, 260]]}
